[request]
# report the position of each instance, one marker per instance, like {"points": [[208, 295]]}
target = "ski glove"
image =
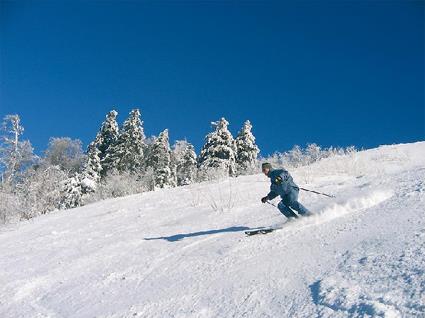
{"points": [[264, 200]]}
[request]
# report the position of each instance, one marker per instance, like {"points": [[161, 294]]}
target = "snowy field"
{"points": [[183, 253]]}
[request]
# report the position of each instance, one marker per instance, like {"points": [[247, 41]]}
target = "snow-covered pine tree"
{"points": [[160, 161], [246, 150], [71, 193], [126, 154], [92, 169], [218, 151], [106, 137], [173, 169], [184, 158]]}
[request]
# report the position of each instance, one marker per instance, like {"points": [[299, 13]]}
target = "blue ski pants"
{"points": [[289, 203]]}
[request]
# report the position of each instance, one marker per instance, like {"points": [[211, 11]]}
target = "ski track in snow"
{"points": [[168, 254]]}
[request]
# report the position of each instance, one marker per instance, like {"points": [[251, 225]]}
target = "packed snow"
{"points": [[182, 252]]}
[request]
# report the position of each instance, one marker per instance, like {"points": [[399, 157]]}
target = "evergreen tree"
{"points": [[106, 137], [71, 194], [160, 161], [218, 151], [126, 154], [108, 133], [246, 149], [173, 169], [184, 158], [92, 169]]}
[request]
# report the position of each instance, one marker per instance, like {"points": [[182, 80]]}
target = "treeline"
{"points": [[298, 157], [122, 161], [119, 161]]}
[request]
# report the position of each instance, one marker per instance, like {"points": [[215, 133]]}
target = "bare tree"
{"points": [[66, 153], [15, 155]]}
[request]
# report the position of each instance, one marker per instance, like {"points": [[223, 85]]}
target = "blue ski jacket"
{"points": [[281, 184]]}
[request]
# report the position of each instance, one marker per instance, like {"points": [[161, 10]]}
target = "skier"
{"points": [[282, 184]]}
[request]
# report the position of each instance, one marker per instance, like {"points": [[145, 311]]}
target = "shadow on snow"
{"points": [[178, 237]]}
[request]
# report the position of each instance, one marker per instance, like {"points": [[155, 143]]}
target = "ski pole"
{"points": [[327, 195], [294, 214], [271, 204]]}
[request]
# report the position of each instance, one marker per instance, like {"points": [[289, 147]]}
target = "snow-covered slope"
{"points": [[182, 252]]}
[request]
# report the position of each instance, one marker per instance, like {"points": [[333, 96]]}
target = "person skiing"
{"points": [[282, 184]]}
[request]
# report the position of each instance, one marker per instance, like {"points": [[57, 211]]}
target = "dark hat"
{"points": [[266, 165]]}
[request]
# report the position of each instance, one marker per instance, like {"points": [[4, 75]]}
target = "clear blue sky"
{"points": [[330, 72]]}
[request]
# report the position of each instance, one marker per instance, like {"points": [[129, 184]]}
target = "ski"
{"points": [[266, 230], [261, 231]]}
